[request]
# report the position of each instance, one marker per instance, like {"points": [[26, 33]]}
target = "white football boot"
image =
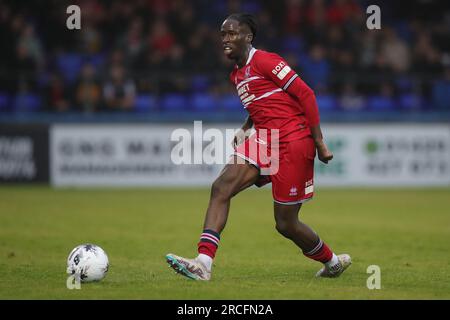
{"points": [[344, 262], [191, 268]]}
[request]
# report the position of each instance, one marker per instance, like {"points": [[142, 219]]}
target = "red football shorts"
{"points": [[290, 167]]}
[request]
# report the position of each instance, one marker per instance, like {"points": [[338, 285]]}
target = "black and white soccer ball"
{"points": [[89, 262]]}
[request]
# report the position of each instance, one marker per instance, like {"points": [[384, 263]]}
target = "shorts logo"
{"points": [[293, 192], [309, 187]]}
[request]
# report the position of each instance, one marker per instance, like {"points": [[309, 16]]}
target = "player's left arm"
{"points": [[307, 99], [274, 67]]}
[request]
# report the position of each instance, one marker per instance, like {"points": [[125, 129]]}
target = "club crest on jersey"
{"points": [[247, 72]]}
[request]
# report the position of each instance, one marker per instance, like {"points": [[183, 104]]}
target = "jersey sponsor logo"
{"points": [[244, 95], [281, 70], [243, 89], [248, 99]]}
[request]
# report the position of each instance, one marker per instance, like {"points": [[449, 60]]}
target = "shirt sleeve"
{"points": [[275, 68], [306, 99]]}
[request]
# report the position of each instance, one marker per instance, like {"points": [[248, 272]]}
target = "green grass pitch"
{"points": [[405, 232]]}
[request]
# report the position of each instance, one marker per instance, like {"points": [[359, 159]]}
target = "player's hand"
{"points": [[323, 153], [239, 137]]}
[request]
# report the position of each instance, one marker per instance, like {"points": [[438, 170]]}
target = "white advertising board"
{"points": [[141, 155]]}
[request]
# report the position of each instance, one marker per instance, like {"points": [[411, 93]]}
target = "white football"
{"points": [[89, 262]]}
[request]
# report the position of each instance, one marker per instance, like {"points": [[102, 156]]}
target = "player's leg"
{"points": [[235, 177], [288, 224], [292, 186]]}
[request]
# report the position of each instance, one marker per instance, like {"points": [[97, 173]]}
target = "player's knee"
{"points": [[221, 189], [284, 228]]}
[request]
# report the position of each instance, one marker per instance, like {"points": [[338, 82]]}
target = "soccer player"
{"points": [[276, 99]]}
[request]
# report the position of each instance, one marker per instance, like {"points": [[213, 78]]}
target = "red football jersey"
{"points": [[261, 86]]}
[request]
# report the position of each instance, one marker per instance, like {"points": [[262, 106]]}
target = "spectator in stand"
{"points": [[25, 67], [132, 42], [57, 94], [294, 16], [342, 11], [395, 51], [367, 49], [87, 90], [32, 44], [350, 99], [161, 39], [426, 57], [316, 67], [153, 39], [119, 92]]}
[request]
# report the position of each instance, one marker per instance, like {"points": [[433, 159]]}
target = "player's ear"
{"points": [[249, 38]]}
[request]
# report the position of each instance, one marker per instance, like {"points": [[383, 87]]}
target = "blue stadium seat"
{"points": [[315, 73], [404, 84], [27, 102], [380, 103], [97, 60], [404, 30], [293, 44], [251, 6], [204, 102], [174, 102], [199, 83], [230, 102], [145, 103], [69, 65], [326, 102], [410, 101], [4, 102], [441, 95]]}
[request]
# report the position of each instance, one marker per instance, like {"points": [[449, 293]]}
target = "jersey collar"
{"points": [[250, 55]]}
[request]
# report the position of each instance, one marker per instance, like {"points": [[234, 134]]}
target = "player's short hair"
{"points": [[245, 18]]}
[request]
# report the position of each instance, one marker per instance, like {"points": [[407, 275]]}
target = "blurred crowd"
{"points": [[156, 55]]}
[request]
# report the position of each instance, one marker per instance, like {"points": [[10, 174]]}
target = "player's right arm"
{"points": [[243, 133], [248, 124]]}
